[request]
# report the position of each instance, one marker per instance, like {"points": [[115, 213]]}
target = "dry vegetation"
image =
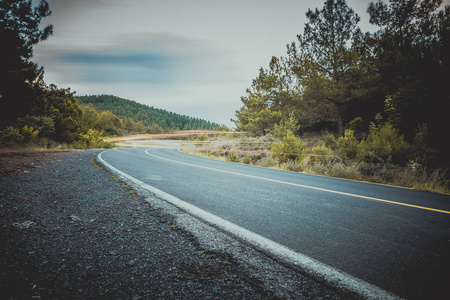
{"points": [[314, 155]]}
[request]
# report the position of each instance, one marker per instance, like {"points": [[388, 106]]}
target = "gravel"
{"points": [[72, 230]]}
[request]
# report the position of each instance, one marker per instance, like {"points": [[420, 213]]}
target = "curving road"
{"points": [[396, 239]]}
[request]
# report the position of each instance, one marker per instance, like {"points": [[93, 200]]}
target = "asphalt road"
{"points": [[397, 239]]}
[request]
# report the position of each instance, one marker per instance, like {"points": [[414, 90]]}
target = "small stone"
{"points": [[131, 263]]}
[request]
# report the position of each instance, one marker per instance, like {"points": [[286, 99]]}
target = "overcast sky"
{"points": [[193, 57]]}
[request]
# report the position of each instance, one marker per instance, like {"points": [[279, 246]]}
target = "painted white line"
{"points": [[312, 267], [303, 186]]}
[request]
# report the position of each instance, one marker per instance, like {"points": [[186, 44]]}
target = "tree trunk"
{"points": [[340, 124]]}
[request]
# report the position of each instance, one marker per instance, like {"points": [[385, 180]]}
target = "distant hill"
{"points": [[148, 115]]}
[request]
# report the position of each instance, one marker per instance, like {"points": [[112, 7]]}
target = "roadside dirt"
{"points": [[12, 162]]}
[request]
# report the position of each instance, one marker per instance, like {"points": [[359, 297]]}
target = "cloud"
{"points": [[151, 58], [124, 67], [140, 60]]}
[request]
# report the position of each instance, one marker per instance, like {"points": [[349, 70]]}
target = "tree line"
{"points": [[34, 113], [383, 94], [149, 116]]}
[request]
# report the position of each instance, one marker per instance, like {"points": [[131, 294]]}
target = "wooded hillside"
{"points": [[148, 115]]}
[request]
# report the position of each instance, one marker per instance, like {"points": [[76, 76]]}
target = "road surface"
{"points": [[396, 239]]}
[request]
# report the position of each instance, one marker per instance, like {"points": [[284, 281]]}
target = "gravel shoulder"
{"points": [[71, 230]]}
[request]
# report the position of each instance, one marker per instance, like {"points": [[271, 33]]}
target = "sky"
{"points": [[192, 57]]}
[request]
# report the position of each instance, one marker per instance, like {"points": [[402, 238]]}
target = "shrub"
{"points": [[233, 157], [202, 137], [341, 170], [18, 136], [92, 139], [347, 145], [437, 181], [247, 160], [292, 165], [290, 148], [289, 125], [222, 128], [321, 153], [330, 140], [268, 162], [421, 150], [384, 144]]}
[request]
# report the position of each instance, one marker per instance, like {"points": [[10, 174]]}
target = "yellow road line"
{"points": [[303, 186]]}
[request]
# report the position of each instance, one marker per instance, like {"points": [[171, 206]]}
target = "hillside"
{"points": [[148, 115]]}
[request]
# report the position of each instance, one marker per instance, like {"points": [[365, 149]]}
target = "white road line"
{"points": [[312, 267]]}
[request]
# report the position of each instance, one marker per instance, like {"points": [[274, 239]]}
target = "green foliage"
{"points": [[44, 124], [153, 118], [329, 68], [92, 139], [348, 146], [19, 32], [232, 157], [222, 128], [411, 55], [293, 165], [290, 148], [202, 137], [271, 101], [247, 160], [357, 125], [329, 140], [257, 122], [338, 75], [421, 149], [112, 125], [384, 144], [321, 153], [269, 161], [13, 136], [61, 106], [291, 124], [108, 123]]}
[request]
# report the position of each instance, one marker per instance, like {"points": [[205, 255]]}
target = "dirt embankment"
{"points": [[166, 135]]}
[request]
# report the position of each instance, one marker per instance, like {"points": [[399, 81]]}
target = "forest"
{"points": [[33, 113], [155, 119], [380, 97]]}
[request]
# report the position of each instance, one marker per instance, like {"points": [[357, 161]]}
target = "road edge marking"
{"points": [[310, 266]]}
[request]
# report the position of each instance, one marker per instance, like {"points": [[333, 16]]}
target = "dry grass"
{"points": [[256, 151]]}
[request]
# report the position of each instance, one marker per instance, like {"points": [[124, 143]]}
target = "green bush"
{"points": [[202, 137], [330, 140], [290, 148], [268, 162], [320, 153], [247, 160], [292, 165], [233, 157], [12, 136], [347, 145], [384, 144], [92, 139]]}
